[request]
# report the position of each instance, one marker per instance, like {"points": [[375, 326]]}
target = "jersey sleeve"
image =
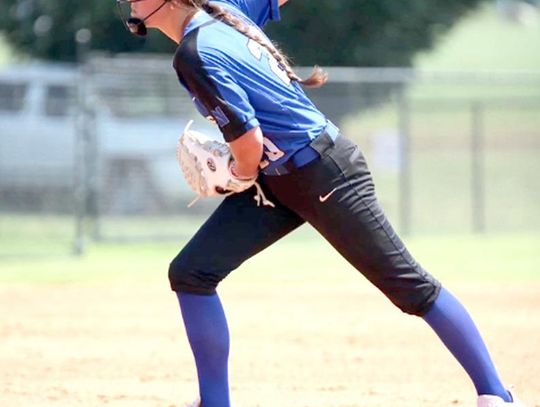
{"points": [[219, 93], [259, 11]]}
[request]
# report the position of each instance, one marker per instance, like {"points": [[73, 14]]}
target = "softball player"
{"points": [[307, 168]]}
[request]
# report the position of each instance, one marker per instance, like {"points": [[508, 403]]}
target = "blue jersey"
{"points": [[237, 82], [257, 11]]}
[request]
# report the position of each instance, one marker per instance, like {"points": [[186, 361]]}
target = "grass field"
{"points": [[513, 257], [470, 45]]}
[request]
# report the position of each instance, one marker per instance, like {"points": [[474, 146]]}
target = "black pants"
{"points": [[335, 194]]}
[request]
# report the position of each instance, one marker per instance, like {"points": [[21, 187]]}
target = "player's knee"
{"points": [[417, 298], [187, 275]]}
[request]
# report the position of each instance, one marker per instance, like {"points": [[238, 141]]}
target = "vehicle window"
{"points": [[12, 96], [59, 100]]}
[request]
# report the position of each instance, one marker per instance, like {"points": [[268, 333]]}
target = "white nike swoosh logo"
{"points": [[328, 195]]}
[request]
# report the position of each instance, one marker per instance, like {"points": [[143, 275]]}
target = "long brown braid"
{"points": [[317, 78]]}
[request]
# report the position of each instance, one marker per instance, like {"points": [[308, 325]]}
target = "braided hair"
{"points": [[317, 78]]}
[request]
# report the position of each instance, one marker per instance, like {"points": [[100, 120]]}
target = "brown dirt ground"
{"points": [[331, 345]]}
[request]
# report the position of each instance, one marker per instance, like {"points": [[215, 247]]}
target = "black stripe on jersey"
{"points": [[192, 74]]}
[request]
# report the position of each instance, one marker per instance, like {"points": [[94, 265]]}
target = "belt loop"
{"points": [[322, 143], [326, 140], [332, 129]]}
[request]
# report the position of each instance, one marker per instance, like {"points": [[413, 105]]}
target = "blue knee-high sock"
{"points": [[208, 335], [453, 324]]}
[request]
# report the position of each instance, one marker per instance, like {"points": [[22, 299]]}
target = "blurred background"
{"points": [[443, 97]]}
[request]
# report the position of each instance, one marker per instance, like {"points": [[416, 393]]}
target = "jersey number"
{"points": [[257, 50], [271, 152]]}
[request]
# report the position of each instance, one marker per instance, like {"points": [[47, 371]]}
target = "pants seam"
{"points": [[362, 199]]}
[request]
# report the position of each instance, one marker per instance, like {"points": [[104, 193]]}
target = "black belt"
{"points": [[311, 152]]}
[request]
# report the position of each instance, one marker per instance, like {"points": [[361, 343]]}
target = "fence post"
{"points": [[82, 39], [477, 168], [93, 159], [404, 161], [80, 171]]}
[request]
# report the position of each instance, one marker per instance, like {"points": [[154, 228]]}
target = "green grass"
{"points": [[50, 235], [485, 41], [441, 170], [302, 257]]}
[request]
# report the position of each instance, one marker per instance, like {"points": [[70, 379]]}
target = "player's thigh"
{"points": [[237, 230], [336, 195]]}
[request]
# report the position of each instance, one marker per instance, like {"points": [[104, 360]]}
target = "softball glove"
{"points": [[206, 165]]}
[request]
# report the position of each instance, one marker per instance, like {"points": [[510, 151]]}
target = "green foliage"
{"points": [[365, 32], [345, 32], [46, 29]]}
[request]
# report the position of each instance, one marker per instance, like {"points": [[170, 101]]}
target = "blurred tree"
{"points": [[46, 29], [326, 32], [364, 32]]}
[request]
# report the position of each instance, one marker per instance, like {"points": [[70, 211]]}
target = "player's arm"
{"points": [[228, 104], [247, 152], [282, 2]]}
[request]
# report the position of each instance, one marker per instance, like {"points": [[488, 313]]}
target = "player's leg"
{"points": [[236, 231], [338, 199], [336, 196], [456, 329]]}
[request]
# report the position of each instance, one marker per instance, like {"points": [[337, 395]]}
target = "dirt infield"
{"points": [[332, 345]]}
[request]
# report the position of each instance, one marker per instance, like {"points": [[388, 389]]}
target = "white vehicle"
{"points": [[132, 153], [36, 131]]}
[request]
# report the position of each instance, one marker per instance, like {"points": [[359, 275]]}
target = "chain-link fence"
{"points": [[37, 159], [450, 152]]}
